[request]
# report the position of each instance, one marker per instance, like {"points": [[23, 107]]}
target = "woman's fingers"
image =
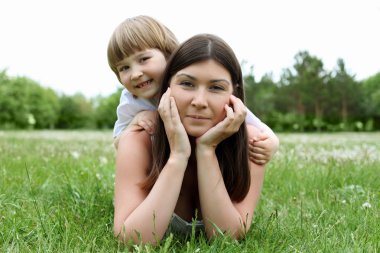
{"points": [[240, 110], [174, 111], [235, 115], [164, 107], [229, 113]]}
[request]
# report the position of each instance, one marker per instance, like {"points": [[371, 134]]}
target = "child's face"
{"points": [[141, 72], [201, 91]]}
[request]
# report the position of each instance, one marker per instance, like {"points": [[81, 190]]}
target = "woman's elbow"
{"points": [[120, 233], [236, 234], [117, 230], [134, 237]]}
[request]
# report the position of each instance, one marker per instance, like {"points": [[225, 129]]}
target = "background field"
{"points": [[321, 194]]}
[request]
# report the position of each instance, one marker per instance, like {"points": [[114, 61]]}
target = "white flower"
{"points": [[98, 176], [366, 205], [75, 154], [103, 160]]}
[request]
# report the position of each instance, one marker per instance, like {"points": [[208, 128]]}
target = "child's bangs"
{"points": [[132, 43], [128, 44]]}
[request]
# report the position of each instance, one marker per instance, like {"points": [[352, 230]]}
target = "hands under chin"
{"points": [[175, 131], [235, 116]]}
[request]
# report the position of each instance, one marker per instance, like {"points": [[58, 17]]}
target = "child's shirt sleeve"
{"points": [[251, 119], [127, 109]]}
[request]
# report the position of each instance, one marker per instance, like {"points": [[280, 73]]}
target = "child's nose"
{"points": [[136, 74]]}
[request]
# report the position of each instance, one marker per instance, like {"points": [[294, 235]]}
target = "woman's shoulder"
{"points": [[135, 137]]}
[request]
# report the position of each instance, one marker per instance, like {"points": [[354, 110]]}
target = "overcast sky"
{"points": [[62, 44]]}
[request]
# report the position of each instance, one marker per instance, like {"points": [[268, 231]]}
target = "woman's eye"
{"points": [[186, 84], [216, 88]]}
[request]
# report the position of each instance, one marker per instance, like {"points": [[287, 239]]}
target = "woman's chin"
{"points": [[196, 133]]}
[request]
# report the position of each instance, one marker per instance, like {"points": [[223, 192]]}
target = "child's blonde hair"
{"points": [[137, 34]]}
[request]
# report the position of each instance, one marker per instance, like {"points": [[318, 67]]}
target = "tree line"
{"points": [[25, 104], [307, 97], [310, 98]]}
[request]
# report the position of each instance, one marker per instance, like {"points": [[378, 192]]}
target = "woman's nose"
{"points": [[199, 99]]}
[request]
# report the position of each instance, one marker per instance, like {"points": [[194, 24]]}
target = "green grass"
{"points": [[321, 194]]}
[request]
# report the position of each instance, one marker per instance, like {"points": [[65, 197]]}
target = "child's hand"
{"points": [[145, 120], [262, 148]]}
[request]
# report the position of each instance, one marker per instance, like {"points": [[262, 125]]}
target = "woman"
{"points": [[196, 165]]}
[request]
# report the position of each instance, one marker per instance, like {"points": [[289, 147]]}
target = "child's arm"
{"points": [[262, 147], [146, 120], [129, 106]]}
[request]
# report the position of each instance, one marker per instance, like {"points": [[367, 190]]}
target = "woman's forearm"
{"points": [[148, 222], [216, 205]]}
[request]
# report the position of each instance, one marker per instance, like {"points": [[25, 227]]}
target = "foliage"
{"points": [[260, 97], [25, 104], [307, 97], [76, 112], [105, 108], [345, 94], [310, 98], [371, 104], [305, 89]]}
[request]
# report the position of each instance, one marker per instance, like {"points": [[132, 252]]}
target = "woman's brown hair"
{"points": [[232, 153]]}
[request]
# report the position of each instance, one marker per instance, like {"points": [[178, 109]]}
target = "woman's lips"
{"points": [[197, 117]]}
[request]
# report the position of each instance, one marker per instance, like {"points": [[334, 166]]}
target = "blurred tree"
{"points": [[43, 104], [249, 83], [105, 110], [371, 104], [303, 91], [13, 113], [344, 96], [260, 97], [310, 80], [25, 104], [75, 112]]}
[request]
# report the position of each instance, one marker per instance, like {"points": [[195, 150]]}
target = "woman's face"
{"points": [[201, 91]]}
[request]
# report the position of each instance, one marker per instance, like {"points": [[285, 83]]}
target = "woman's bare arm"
{"points": [[217, 207], [141, 216]]}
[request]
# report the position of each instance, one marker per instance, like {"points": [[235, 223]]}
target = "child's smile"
{"points": [[140, 73], [143, 84]]}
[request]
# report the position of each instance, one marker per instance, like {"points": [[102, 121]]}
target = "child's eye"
{"points": [[123, 68], [144, 59]]}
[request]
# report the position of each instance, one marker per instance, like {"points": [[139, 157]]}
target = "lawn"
{"points": [[321, 194]]}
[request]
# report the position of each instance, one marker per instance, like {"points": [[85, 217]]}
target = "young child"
{"points": [[137, 53]]}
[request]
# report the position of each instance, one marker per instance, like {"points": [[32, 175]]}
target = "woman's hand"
{"points": [[235, 116], [175, 131]]}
